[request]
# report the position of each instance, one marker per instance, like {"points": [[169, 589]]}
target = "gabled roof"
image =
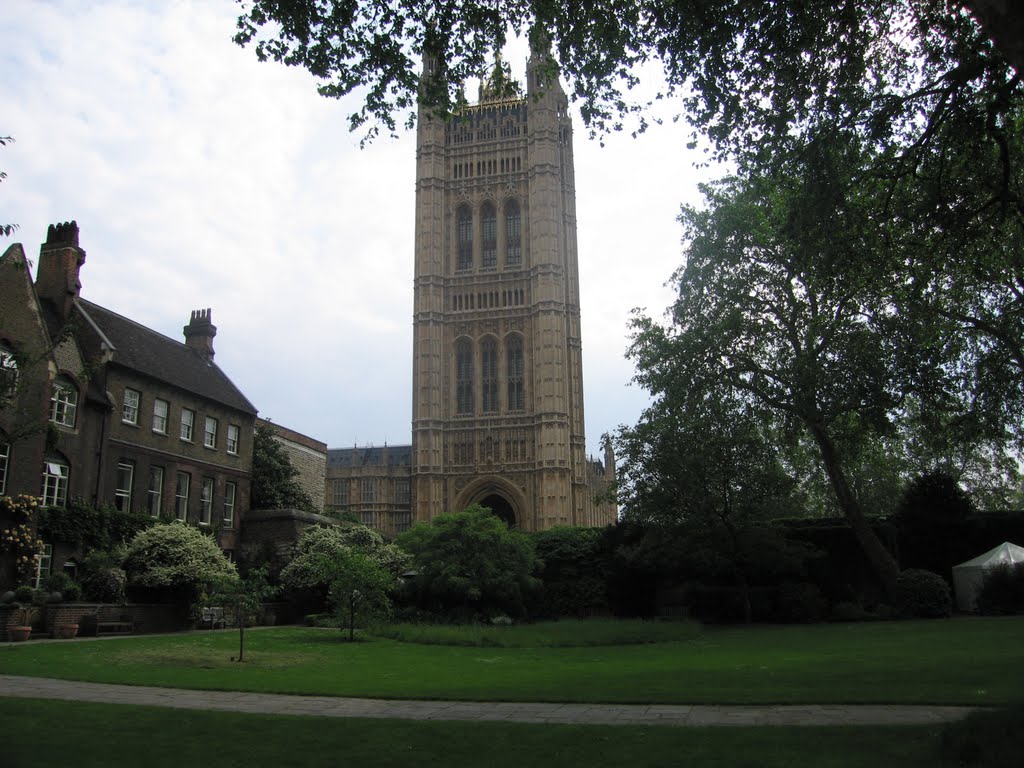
{"points": [[158, 357]]}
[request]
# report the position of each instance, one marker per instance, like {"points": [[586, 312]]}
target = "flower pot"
{"points": [[65, 631], [18, 634]]}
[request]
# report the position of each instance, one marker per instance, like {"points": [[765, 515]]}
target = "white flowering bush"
{"points": [[319, 545], [18, 536], [175, 556]]}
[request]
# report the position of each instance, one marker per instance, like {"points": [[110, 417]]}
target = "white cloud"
{"points": [[203, 178]]}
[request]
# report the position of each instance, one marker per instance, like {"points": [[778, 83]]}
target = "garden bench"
{"points": [[108, 620], [212, 617]]}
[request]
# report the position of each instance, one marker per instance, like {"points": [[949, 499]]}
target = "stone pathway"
{"points": [[585, 714]]}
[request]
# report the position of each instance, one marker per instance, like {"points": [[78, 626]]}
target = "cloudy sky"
{"points": [[200, 177]]}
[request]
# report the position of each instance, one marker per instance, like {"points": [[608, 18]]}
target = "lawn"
{"points": [[43, 733], [960, 661]]}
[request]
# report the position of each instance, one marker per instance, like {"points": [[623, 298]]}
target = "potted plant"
{"points": [[26, 613], [65, 631]]}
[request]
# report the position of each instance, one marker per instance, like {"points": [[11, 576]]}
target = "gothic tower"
{"points": [[497, 369]]}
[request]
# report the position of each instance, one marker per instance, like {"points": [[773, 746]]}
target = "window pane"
{"points": [[130, 410], [160, 411], [156, 491], [210, 433], [463, 377], [206, 497], [55, 483], [230, 489], [489, 237], [123, 490], [187, 420], [465, 238], [181, 489], [5, 455], [232, 446], [64, 402]]}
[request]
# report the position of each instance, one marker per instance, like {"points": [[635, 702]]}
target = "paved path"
{"points": [[596, 714]]}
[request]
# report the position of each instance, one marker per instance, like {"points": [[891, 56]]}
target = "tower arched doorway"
{"points": [[501, 508]]}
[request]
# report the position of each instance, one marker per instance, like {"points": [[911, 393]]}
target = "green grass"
{"points": [[45, 733], [961, 661], [551, 634]]}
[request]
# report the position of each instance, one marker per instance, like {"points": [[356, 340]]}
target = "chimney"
{"points": [[200, 331], [60, 259]]}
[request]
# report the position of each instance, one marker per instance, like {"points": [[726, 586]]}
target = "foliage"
{"points": [[574, 572], [922, 595], [319, 544], [243, 598], [6, 229], [353, 565], [95, 527], [987, 738], [20, 538], [1002, 590], [176, 558], [469, 565], [273, 477], [934, 498], [60, 583], [105, 585], [360, 590]]}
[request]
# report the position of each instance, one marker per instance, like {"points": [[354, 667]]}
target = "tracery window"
{"points": [[513, 237], [514, 349], [64, 402], [464, 219], [8, 372], [489, 374], [463, 377], [489, 236]]}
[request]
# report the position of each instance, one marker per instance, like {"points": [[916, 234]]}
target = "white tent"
{"points": [[967, 577]]}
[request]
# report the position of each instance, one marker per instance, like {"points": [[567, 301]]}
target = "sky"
{"points": [[203, 178]]}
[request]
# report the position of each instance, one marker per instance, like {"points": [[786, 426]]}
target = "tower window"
{"points": [[513, 243], [515, 373], [465, 238], [489, 374], [463, 377], [489, 230]]}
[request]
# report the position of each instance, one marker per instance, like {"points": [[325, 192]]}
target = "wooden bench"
{"points": [[108, 620]]}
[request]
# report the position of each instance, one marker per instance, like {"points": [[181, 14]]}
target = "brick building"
{"points": [[98, 407], [308, 456]]}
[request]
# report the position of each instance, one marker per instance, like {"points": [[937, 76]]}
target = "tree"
{"points": [[243, 597], [704, 461], [470, 565], [177, 560], [352, 565], [273, 476], [6, 229]]}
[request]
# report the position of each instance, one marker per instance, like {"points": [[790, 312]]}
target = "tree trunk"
{"points": [[883, 563], [241, 639], [351, 619]]}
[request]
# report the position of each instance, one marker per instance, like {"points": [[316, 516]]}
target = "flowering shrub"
{"points": [[20, 537]]}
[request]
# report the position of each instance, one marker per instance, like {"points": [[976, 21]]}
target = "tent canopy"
{"points": [[968, 577]]}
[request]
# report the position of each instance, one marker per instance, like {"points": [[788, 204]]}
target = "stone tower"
{"points": [[497, 369]]}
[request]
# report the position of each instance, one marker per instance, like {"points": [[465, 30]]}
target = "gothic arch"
{"points": [[490, 491]]}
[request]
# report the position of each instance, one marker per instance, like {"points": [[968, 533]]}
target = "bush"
{"points": [[1002, 591], [800, 602], [105, 585], [24, 594], [922, 595]]}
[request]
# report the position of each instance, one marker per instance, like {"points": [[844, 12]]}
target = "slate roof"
{"points": [[393, 455], [154, 355]]}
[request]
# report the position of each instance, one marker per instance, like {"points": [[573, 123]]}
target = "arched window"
{"points": [[489, 234], [464, 219], [55, 481], [513, 238], [8, 372], [64, 402], [463, 377], [489, 374], [514, 349]]}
